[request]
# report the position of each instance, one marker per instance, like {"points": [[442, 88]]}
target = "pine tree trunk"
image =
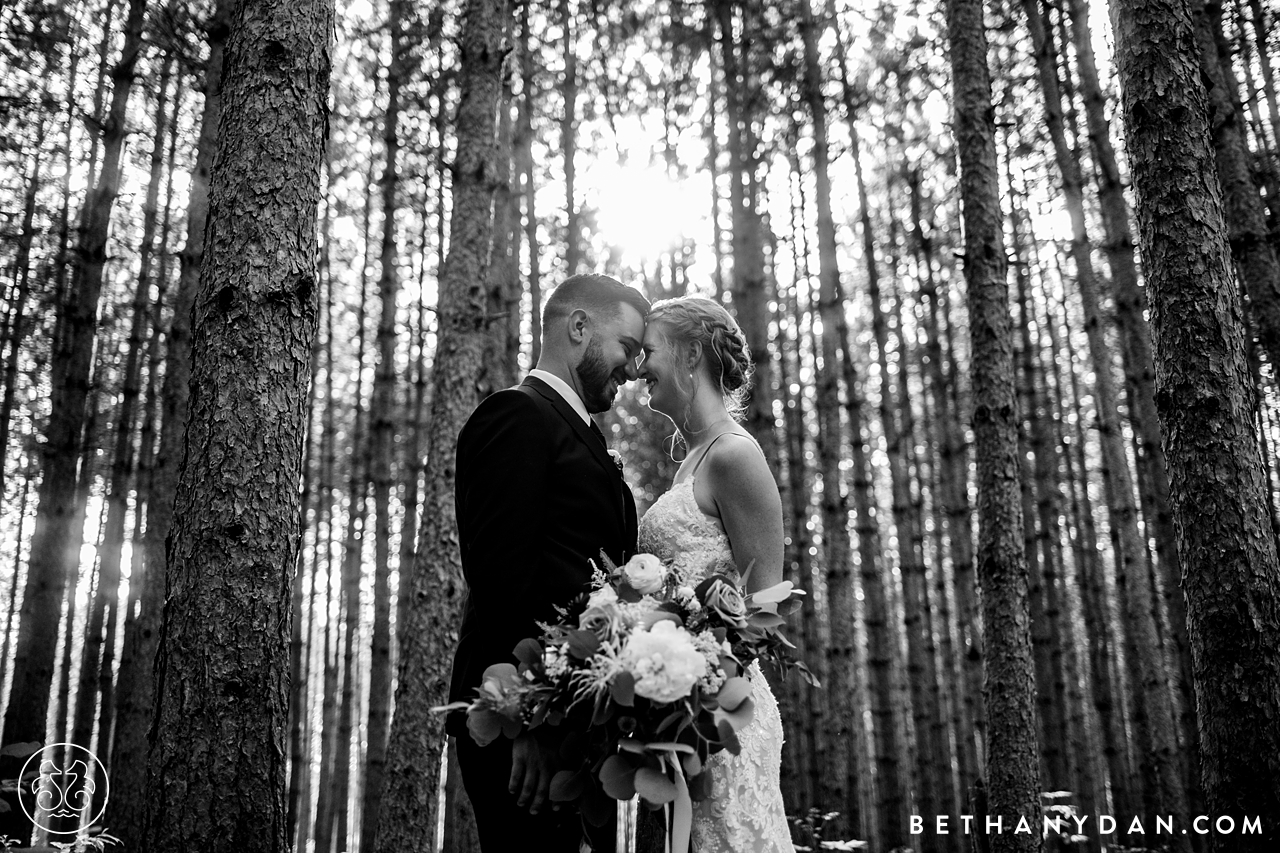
{"points": [[1097, 622], [1157, 740], [322, 828], [1247, 233], [569, 138], [502, 355], [1041, 480], [99, 646], [125, 808], [303, 612], [350, 603], [382, 411], [222, 667], [58, 532], [528, 187], [750, 286], [435, 588], [839, 791], [799, 757], [14, 332], [954, 500], [17, 571], [1012, 781], [1134, 336], [1231, 574]]}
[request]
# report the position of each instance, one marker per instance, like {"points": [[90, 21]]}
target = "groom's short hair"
{"points": [[599, 295]]}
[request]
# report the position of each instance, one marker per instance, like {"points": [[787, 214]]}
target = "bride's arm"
{"points": [[746, 499]]}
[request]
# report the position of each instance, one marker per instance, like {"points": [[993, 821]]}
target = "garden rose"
{"points": [[664, 661], [645, 573], [725, 599], [603, 620]]}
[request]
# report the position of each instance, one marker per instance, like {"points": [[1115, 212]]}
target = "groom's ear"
{"points": [[578, 325]]}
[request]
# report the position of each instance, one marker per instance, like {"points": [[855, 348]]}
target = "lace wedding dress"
{"points": [[744, 813]]}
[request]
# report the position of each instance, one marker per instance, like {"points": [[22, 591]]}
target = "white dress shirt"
{"points": [[562, 388]]}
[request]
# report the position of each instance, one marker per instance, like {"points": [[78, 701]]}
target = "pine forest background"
{"points": [[802, 161]]}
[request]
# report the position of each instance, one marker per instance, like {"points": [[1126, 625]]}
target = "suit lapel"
{"points": [[582, 430]]}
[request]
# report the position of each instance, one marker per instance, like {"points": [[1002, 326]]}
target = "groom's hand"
{"points": [[531, 771]]}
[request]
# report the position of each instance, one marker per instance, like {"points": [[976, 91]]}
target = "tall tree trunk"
{"points": [[58, 532], [125, 808], [1013, 783], [569, 138], [815, 633], [1157, 739], [839, 791], [1247, 233], [1134, 336], [303, 615], [353, 552], [435, 586], [14, 331], [17, 569], [799, 759], [222, 667], [502, 355], [1041, 478], [382, 412], [1093, 597], [529, 187], [953, 496], [750, 286], [1231, 574], [99, 645]]}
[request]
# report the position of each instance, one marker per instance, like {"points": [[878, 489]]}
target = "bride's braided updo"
{"points": [[725, 354]]}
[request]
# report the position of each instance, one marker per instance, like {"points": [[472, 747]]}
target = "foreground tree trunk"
{"points": [[222, 669], [1013, 781], [434, 589], [1230, 570]]}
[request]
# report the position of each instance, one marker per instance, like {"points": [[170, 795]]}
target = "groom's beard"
{"points": [[595, 376]]}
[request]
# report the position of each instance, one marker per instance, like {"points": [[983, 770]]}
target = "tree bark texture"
{"points": [[1230, 571], [1012, 781], [216, 775]]}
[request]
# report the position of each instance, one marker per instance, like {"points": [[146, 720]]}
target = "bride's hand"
{"points": [[532, 766]]}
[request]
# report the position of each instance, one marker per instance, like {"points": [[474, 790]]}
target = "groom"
{"points": [[538, 497]]}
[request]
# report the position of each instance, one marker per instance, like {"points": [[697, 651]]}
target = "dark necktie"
{"points": [[600, 435]]}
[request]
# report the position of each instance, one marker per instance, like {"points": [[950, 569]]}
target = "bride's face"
{"points": [[664, 374]]}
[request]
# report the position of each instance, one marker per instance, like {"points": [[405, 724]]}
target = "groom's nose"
{"points": [[632, 371]]}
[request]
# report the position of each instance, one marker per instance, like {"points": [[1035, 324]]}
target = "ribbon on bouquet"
{"points": [[679, 812]]}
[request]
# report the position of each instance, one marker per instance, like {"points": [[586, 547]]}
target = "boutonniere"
{"points": [[617, 459]]}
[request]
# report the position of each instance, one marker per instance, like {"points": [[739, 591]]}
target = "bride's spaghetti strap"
{"points": [[707, 452]]}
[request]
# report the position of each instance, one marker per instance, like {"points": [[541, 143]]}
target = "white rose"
{"points": [[664, 661], [645, 573]]}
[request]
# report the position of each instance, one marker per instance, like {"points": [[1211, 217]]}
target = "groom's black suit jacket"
{"points": [[538, 497]]}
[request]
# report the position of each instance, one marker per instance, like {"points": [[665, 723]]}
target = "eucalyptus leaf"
{"points": [[618, 775], [654, 786]]}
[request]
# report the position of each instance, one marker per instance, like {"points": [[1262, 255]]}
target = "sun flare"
{"points": [[643, 212]]}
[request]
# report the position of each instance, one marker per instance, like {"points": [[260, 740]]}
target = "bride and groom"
{"points": [[539, 495]]}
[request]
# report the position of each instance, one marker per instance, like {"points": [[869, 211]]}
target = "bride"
{"points": [[721, 513]]}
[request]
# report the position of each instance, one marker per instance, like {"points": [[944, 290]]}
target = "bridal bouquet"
{"points": [[645, 674]]}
